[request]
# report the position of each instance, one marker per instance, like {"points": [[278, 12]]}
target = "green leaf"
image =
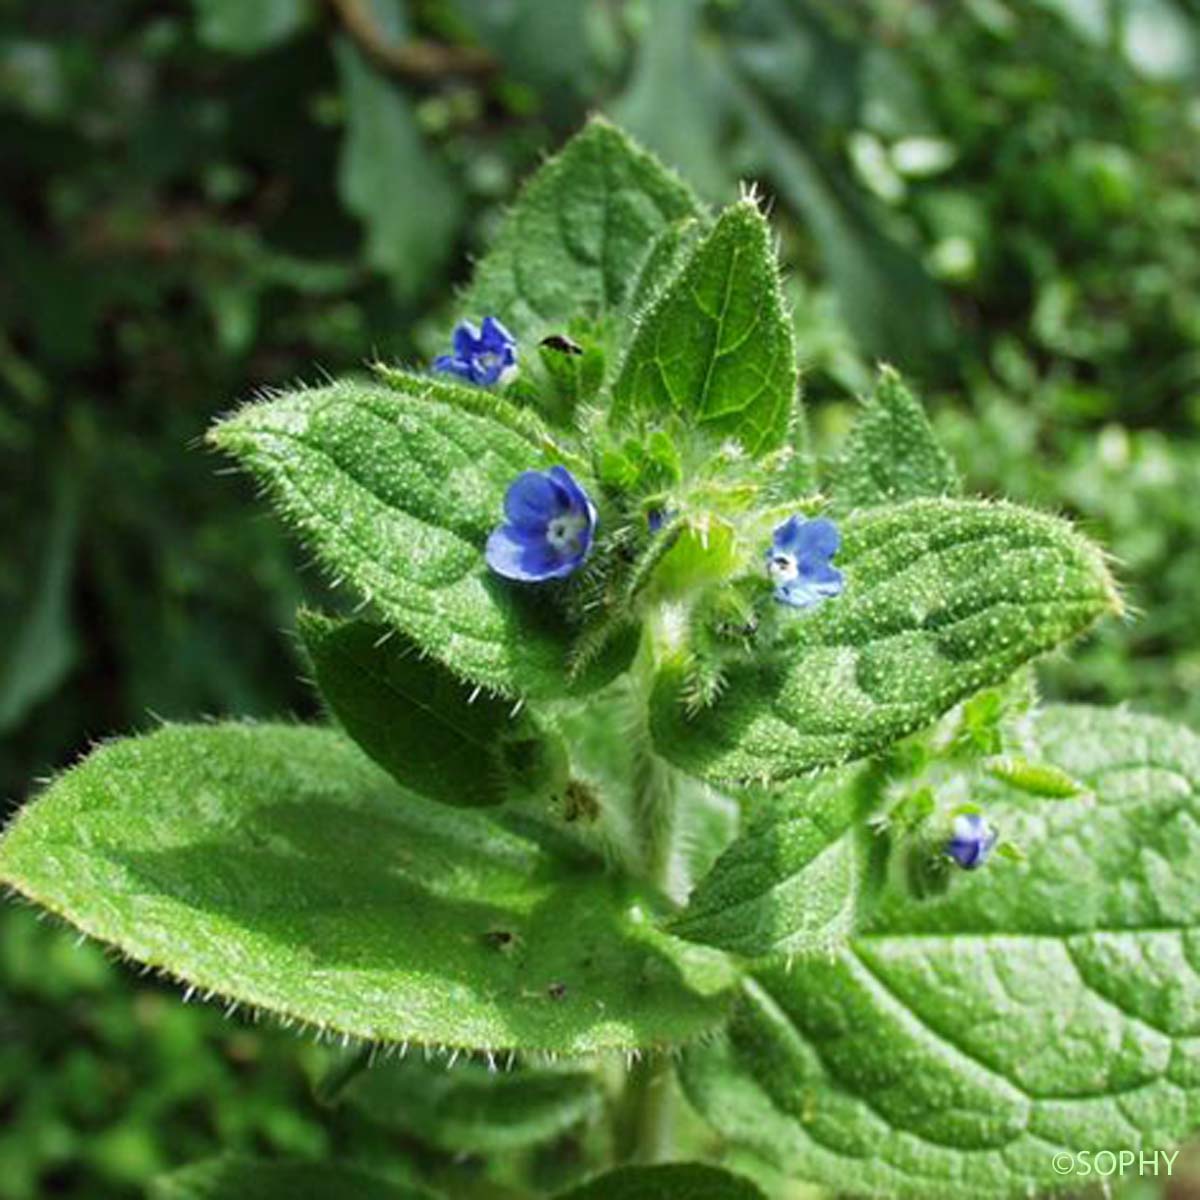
{"points": [[419, 722], [893, 453], [396, 491], [468, 1108], [260, 1179], [717, 345], [801, 876], [666, 257], [390, 179], [679, 1181], [960, 1042], [280, 868], [241, 28], [942, 598], [573, 242]]}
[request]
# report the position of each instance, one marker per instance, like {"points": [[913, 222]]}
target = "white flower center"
{"points": [[782, 568], [564, 533]]}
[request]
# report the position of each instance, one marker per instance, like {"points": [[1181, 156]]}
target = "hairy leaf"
{"points": [[574, 239], [679, 1181], [280, 868], [469, 1108], [893, 453], [261, 1179], [942, 598], [417, 721], [664, 260], [798, 879], [717, 345], [960, 1042], [396, 490], [391, 180]]}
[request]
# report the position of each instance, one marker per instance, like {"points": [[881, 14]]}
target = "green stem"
{"points": [[650, 1125], [648, 1119]]}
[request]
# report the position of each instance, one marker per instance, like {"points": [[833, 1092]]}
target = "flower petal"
{"points": [[526, 559], [806, 593], [466, 340], [494, 337], [533, 500], [822, 575], [577, 499], [454, 366], [787, 535], [817, 541]]}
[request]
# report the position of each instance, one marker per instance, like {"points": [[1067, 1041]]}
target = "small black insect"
{"points": [[557, 991], [562, 343]]}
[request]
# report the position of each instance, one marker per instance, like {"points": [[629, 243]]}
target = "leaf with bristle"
{"points": [[957, 1043], [278, 867], [942, 598], [573, 242], [716, 346], [396, 489]]}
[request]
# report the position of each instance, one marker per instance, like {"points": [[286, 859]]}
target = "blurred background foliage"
{"points": [[201, 199]]}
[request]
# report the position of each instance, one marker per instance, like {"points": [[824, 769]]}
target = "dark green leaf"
{"points": [[418, 721], [676, 1181], [942, 598], [799, 878], [717, 345], [572, 244], [960, 1042], [280, 868], [237, 1178], [468, 1108]]}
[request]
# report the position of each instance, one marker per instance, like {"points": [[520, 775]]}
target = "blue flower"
{"points": [[971, 842], [485, 355], [549, 527], [798, 562]]}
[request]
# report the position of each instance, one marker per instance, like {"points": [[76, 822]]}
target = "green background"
{"points": [[202, 200]]}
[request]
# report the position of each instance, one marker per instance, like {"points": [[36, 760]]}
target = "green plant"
{"points": [[598, 783]]}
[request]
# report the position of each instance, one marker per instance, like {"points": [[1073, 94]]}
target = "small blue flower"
{"points": [[971, 842], [484, 356], [798, 562], [549, 527]]}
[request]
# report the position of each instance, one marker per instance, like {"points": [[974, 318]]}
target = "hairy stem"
{"points": [[649, 1120]]}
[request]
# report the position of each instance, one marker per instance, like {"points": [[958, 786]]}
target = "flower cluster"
{"points": [[550, 521]]}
